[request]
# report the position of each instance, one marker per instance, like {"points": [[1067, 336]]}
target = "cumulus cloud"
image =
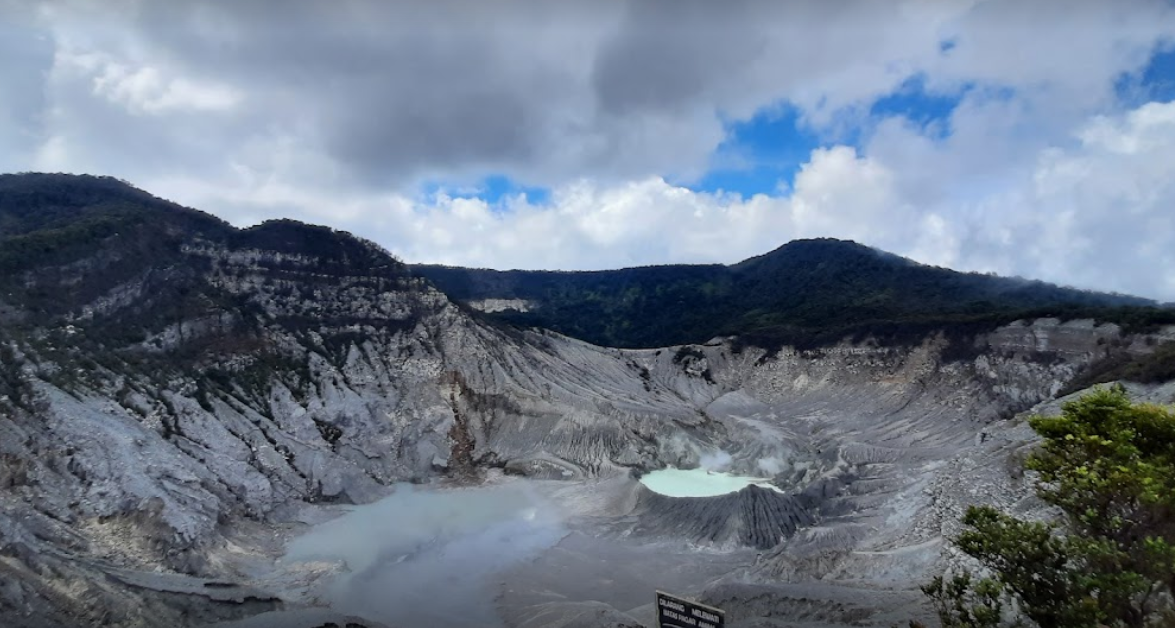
{"points": [[146, 90], [1110, 198], [337, 113]]}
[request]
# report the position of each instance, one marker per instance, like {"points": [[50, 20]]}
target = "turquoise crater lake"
{"points": [[700, 482]]}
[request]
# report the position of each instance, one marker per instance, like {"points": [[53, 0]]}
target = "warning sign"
{"points": [[675, 612]]}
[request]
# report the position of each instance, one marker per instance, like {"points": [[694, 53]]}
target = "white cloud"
{"points": [[146, 90], [839, 192], [52, 155], [1108, 206], [1096, 209]]}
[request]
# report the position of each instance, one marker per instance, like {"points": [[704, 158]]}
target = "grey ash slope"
{"points": [[168, 381]]}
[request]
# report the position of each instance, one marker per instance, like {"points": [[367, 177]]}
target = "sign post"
{"points": [[676, 612]]}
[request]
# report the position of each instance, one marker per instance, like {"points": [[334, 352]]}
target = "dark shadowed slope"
{"points": [[806, 292]]}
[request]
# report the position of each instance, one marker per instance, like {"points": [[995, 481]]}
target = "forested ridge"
{"points": [[805, 293]]}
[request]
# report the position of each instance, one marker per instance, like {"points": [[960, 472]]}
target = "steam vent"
{"points": [[691, 505]]}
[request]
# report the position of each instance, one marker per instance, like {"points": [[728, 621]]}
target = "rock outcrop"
{"points": [[755, 517]]}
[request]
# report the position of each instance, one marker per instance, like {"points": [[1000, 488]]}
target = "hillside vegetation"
{"points": [[805, 293]]}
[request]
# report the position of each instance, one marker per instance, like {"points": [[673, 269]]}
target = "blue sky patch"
{"points": [[496, 187], [911, 100], [1154, 82], [758, 154], [762, 155], [493, 189]]}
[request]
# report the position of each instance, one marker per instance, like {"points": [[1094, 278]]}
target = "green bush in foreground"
{"points": [[1109, 466]]}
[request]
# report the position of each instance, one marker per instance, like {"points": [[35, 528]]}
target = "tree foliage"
{"points": [[1108, 465], [965, 602]]}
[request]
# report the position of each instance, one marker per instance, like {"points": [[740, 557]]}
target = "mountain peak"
{"points": [[816, 250], [35, 201]]}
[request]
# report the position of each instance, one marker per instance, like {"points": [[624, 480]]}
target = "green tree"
{"points": [[1109, 466], [963, 602]]}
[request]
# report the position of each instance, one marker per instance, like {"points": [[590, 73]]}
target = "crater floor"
{"points": [[525, 553]]}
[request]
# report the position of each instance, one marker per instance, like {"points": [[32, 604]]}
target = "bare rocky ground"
{"points": [[605, 569], [134, 496]]}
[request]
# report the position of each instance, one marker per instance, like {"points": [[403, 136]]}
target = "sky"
{"points": [[1022, 138]]}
